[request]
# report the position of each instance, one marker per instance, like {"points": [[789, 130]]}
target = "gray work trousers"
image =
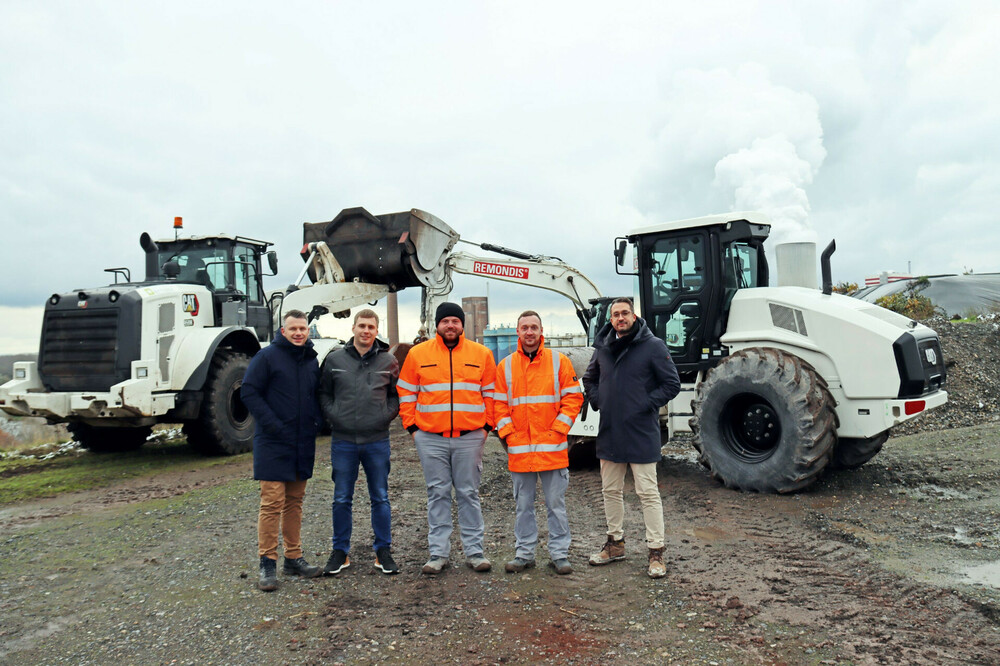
{"points": [[554, 484], [452, 462]]}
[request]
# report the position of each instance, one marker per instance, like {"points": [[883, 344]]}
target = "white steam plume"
{"points": [[734, 140]]}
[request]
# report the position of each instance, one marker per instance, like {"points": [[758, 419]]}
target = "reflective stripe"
{"points": [[555, 371], [507, 362], [534, 400], [537, 448], [571, 389], [445, 386], [505, 421], [497, 396], [407, 385], [489, 387], [565, 419], [449, 407], [407, 398]]}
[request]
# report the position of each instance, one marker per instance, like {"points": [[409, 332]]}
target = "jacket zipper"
{"points": [[451, 390]]}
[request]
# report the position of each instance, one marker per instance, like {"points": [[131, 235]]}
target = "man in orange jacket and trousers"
{"points": [[537, 398], [445, 391]]}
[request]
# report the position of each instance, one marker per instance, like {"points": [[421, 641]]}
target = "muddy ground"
{"points": [[895, 563]]}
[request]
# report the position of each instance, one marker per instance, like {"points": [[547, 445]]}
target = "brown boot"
{"points": [[657, 569], [611, 551]]}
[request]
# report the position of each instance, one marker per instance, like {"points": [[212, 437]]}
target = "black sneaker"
{"points": [[299, 567], [268, 581], [337, 562], [384, 561]]}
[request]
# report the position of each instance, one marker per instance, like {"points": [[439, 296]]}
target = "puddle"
{"points": [[931, 491], [708, 534], [983, 574], [959, 535]]}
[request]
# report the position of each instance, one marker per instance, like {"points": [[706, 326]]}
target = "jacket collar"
{"points": [[541, 346], [438, 340], [378, 347], [281, 342]]}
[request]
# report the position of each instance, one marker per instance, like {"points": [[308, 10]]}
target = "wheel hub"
{"points": [[751, 428]]}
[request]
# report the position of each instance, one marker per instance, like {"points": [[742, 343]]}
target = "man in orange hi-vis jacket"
{"points": [[537, 398], [446, 402]]}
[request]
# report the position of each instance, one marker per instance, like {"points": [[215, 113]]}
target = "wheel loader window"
{"points": [[247, 280], [678, 267]]}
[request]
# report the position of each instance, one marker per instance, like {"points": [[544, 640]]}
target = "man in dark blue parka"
{"points": [[630, 377], [279, 389]]}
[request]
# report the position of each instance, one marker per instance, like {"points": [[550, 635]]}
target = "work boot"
{"points": [[268, 581], [384, 561], [657, 569], [562, 566], [478, 562], [434, 566], [299, 567], [338, 562], [518, 564], [611, 551]]}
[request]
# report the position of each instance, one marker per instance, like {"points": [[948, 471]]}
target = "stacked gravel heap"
{"points": [[972, 356]]}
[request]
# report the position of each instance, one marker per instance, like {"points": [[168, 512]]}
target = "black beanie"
{"points": [[449, 310]]}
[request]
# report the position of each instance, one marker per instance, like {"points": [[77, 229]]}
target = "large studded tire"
{"points": [[225, 425], [109, 440], [853, 452], [764, 421], [583, 453]]}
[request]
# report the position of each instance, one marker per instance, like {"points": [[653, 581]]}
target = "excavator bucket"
{"points": [[396, 249]]}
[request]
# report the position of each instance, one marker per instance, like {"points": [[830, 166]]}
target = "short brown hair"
{"points": [[529, 313], [294, 314], [366, 314], [623, 299]]}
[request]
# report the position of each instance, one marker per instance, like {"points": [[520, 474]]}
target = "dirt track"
{"points": [[875, 566]]}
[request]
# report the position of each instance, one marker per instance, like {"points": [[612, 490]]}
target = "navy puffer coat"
{"points": [[628, 380], [279, 389]]}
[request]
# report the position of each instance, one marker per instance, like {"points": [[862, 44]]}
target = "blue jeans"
{"points": [[374, 457]]}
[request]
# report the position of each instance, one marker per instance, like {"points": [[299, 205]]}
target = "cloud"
{"points": [[731, 139]]}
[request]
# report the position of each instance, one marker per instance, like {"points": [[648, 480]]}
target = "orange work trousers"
{"points": [[280, 511]]}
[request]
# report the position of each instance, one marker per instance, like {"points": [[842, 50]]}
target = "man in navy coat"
{"points": [[630, 377], [279, 389]]}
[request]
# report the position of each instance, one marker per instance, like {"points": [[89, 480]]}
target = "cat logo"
{"points": [[189, 303]]}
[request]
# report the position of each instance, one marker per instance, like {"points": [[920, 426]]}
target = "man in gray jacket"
{"points": [[357, 393]]}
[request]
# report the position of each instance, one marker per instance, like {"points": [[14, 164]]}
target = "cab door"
{"points": [[680, 293]]}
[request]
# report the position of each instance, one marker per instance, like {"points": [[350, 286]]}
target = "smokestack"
{"points": [[796, 265], [392, 318]]}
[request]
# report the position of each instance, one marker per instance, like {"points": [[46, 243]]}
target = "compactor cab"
{"points": [[688, 274]]}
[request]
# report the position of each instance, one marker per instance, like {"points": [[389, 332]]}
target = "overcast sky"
{"points": [[547, 127]]}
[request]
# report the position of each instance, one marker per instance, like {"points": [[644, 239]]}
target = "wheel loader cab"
{"points": [[688, 275], [230, 268]]}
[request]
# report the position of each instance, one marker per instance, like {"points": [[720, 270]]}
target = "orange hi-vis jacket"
{"points": [[446, 391], [535, 404]]}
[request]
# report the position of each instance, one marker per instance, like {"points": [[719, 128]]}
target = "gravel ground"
{"points": [[895, 563]]}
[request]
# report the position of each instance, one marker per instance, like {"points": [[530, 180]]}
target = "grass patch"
{"points": [[23, 479]]}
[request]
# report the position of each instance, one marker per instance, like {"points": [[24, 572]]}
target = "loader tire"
{"points": [[853, 452], [764, 421], [225, 425], [109, 440], [583, 453]]}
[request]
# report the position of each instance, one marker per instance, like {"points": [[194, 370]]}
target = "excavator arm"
{"points": [[358, 257]]}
